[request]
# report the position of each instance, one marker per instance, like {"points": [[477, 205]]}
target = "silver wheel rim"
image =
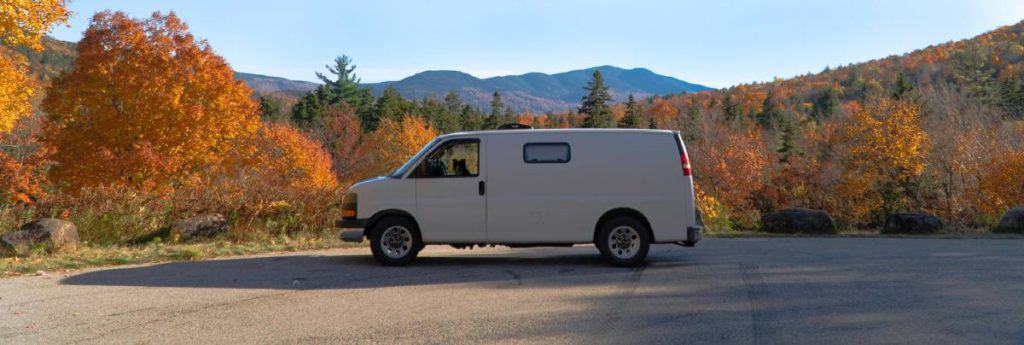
{"points": [[624, 242], [396, 242]]}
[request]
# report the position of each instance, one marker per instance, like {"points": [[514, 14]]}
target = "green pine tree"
{"points": [[471, 119], [271, 110], [595, 103], [730, 108], [509, 117], [493, 120], [632, 117], [770, 112]]}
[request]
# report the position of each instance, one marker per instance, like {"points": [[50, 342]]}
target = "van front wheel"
{"points": [[395, 241], [623, 241]]}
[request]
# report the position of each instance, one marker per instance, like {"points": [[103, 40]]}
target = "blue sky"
{"points": [[716, 43]]}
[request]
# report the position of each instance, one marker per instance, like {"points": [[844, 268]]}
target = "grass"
{"points": [[88, 256]]}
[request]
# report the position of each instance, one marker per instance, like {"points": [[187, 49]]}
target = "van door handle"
{"points": [[482, 187]]}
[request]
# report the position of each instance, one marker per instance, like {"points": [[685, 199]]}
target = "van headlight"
{"points": [[348, 205]]}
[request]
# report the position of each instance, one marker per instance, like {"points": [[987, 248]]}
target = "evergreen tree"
{"points": [[595, 103], [730, 108], [509, 117], [437, 113], [632, 117], [271, 110], [493, 120], [770, 112], [653, 124], [786, 145], [1011, 98], [453, 102], [344, 86], [825, 104], [471, 119], [311, 108], [903, 86], [390, 105]]}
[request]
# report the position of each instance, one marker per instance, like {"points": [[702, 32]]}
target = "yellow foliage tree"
{"points": [[287, 158], [145, 106], [15, 91], [24, 22], [393, 143], [883, 148]]}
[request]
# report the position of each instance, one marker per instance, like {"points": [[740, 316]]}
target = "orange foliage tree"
{"points": [[393, 143], [145, 106], [286, 158]]}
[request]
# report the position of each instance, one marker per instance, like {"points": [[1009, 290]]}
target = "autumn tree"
{"points": [[25, 22], [145, 105], [288, 159], [632, 117], [393, 143], [883, 153], [15, 91], [595, 103], [22, 23]]}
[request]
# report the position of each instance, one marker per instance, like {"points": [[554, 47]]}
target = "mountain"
{"points": [[537, 92], [268, 84]]}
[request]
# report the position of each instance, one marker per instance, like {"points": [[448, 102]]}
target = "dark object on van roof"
{"points": [[798, 221], [515, 126]]}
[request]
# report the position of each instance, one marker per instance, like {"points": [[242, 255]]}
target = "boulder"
{"points": [[798, 220], [50, 232], [201, 226], [1012, 222], [912, 223]]}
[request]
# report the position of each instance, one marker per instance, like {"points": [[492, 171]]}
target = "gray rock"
{"points": [[1012, 222], [50, 232], [912, 223], [201, 226], [798, 220]]}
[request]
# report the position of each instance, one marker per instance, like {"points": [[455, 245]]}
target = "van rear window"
{"points": [[546, 153]]}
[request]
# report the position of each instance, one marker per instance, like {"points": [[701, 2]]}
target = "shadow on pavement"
{"points": [[300, 272]]}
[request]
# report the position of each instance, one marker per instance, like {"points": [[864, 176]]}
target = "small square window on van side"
{"points": [[546, 153]]}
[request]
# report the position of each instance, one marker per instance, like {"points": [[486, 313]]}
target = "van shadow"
{"points": [[303, 272]]}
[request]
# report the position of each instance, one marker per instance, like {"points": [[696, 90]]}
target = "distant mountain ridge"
{"points": [[537, 92]]}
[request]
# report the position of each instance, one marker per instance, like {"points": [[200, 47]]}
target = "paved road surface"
{"points": [[735, 291]]}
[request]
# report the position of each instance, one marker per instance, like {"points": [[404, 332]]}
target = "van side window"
{"points": [[546, 153], [456, 158]]}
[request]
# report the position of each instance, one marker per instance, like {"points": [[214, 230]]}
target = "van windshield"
{"points": [[408, 164]]}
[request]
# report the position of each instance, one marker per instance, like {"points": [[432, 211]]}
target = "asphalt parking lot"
{"points": [[735, 291]]}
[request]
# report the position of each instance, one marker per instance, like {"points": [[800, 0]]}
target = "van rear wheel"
{"points": [[623, 242], [395, 241]]}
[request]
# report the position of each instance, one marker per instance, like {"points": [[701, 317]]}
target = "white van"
{"points": [[620, 189]]}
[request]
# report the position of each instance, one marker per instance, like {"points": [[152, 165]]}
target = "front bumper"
{"points": [[350, 223], [352, 229]]}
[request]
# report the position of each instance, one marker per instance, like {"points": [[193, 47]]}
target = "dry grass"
{"points": [[92, 256]]}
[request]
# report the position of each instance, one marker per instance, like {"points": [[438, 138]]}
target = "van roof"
{"points": [[561, 131]]}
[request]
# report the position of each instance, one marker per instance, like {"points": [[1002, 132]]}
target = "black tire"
{"points": [[631, 231], [390, 252]]}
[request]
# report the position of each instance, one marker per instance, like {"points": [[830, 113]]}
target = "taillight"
{"points": [[685, 161]]}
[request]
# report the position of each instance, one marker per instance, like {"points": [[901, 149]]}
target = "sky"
{"points": [[714, 43]]}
